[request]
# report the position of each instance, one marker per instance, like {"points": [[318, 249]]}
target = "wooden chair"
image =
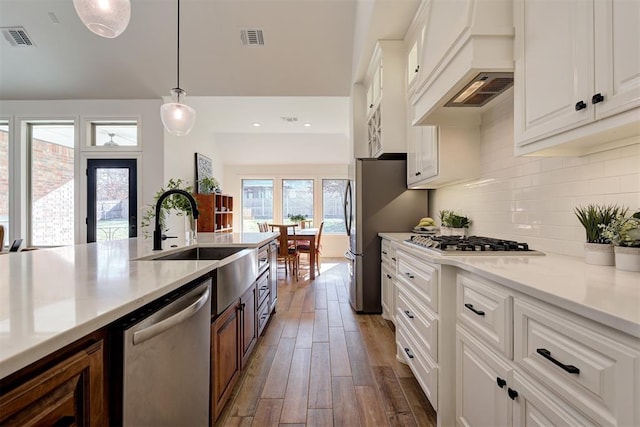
{"points": [[287, 250], [1, 238], [263, 227], [304, 247]]}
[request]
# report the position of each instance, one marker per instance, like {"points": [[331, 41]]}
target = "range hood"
{"points": [[473, 61]]}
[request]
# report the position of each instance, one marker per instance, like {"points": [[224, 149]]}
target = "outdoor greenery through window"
{"points": [[4, 180], [297, 198], [333, 205], [51, 184], [257, 203]]}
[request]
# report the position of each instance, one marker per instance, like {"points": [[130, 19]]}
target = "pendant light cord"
{"points": [[178, 50]]}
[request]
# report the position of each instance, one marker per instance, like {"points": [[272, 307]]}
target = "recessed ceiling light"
{"points": [[307, 125], [255, 124]]}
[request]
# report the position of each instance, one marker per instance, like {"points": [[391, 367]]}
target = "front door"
{"points": [[111, 199]]}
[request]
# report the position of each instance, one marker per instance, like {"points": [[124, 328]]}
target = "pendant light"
{"points": [[106, 18], [178, 118]]}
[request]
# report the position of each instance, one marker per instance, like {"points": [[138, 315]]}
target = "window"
{"points": [[52, 184], [114, 134], [4, 180], [333, 205], [297, 198], [257, 203]]}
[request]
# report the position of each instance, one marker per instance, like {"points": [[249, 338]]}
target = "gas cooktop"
{"points": [[472, 245]]}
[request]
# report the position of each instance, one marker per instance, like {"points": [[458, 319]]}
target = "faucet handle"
{"points": [[165, 237]]}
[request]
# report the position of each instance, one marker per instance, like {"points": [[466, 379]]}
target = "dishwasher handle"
{"points": [[157, 328]]}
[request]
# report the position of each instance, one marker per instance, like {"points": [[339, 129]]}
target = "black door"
{"points": [[111, 199]]}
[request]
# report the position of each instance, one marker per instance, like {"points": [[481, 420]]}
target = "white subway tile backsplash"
{"points": [[532, 199]]}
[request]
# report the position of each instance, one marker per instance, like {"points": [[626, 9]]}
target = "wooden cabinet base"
{"points": [[225, 358], [69, 393]]}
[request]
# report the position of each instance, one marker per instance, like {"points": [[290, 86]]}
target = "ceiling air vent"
{"points": [[17, 36], [482, 89], [252, 37], [289, 119]]}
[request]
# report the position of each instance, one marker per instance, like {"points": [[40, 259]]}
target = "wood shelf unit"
{"points": [[216, 213]]}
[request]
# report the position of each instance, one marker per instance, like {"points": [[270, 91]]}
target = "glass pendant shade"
{"points": [[106, 18], [178, 118]]}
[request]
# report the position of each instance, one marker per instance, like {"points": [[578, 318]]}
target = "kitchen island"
{"points": [[51, 297]]}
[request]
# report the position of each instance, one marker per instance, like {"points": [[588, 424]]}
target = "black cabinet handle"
{"points": [[501, 382], [408, 351], [478, 312], [384, 252], [547, 355], [263, 288], [580, 105], [597, 98], [370, 105], [393, 258], [417, 68], [408, 313], [388, 276], [411, 276], [418, 173], [512, 393]]}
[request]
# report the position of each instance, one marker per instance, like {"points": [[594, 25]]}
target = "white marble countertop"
{"points": [[604, 294], [52, 297]]}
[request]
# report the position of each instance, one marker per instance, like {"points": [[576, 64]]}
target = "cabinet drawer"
{"points": [[419, 321], [421, 279], [263, 287], [425, 370], [486, 309], [388, 253], [263, 316], [586, 363]]}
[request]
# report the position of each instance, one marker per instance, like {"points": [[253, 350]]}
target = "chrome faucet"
{"points": [[157, 232]]}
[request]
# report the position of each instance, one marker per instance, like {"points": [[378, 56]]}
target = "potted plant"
{"points": [[296, 219], [598, 249], [173, 204], [624, 233], [453, 224], [208, 185]]}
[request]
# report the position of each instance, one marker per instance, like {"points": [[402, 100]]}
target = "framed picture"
{"points": [[204, 168]]}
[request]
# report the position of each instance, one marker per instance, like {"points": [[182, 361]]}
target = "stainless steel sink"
{"points": [[237, 271], [201, 254]]}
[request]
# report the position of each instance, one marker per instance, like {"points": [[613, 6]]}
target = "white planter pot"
{"points": [[458, 231], [445, 231], [599, 254], [627, 259]]}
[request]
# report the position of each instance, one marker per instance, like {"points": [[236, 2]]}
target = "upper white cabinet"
{"points": [[386, 116], [577, 75]]}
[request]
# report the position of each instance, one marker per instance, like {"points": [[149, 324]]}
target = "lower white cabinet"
{"points": [[566, 369], [388, 279]]}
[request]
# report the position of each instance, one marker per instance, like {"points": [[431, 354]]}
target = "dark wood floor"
{"points": [[320, 364]]}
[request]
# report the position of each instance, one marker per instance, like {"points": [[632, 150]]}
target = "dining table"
{"points": [[306, 235]]}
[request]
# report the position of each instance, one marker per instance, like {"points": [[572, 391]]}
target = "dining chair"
{"points": [[305, 248], [287, 251], [1, 238], [263, 227]]}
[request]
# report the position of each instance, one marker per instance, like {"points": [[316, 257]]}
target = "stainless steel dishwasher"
{"points": [[166, 361]]}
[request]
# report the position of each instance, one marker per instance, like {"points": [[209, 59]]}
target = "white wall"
{"points": [[147, 112], [531, 199], [332, 245]]}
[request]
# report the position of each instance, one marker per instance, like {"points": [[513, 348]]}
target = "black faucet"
{"points": [[157, 233]]}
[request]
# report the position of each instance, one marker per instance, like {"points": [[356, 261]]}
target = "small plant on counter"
{"points": [[453, 220], [594, 218], [296, 218], [208, 185], [623, 231], [175, 202]]}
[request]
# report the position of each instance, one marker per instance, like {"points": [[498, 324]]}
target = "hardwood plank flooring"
{"points": [[321, 364]]}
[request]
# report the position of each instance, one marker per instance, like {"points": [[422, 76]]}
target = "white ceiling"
{"points": [[313, 49]]}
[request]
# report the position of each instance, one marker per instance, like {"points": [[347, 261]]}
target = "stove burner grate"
{"points": [[471, 243]]}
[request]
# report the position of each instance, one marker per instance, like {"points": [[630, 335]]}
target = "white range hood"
{"points": [[472, 41]]}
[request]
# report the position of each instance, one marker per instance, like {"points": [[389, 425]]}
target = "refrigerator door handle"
{"points": [[348, 202]]}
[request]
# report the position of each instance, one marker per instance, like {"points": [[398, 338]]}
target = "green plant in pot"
{"points": [[593, 217], [453, 224], [208, 185], [296, 219], [173, 204], [624, 232]]}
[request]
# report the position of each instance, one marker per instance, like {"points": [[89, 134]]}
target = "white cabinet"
{"points": [[386, 115], [566, 370], [388, 279], [439, 156], [577, 75]]}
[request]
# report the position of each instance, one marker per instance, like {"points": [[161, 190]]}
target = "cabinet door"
{"points": [[428, 152], [388, 305], [249, 323], [412, 64], [414, 135], [70, 393], [225, 357], [554, 67], [482, 382], [617, 32]]}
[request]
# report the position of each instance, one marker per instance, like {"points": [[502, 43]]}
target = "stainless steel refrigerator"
{"points": [[376, 200]]}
